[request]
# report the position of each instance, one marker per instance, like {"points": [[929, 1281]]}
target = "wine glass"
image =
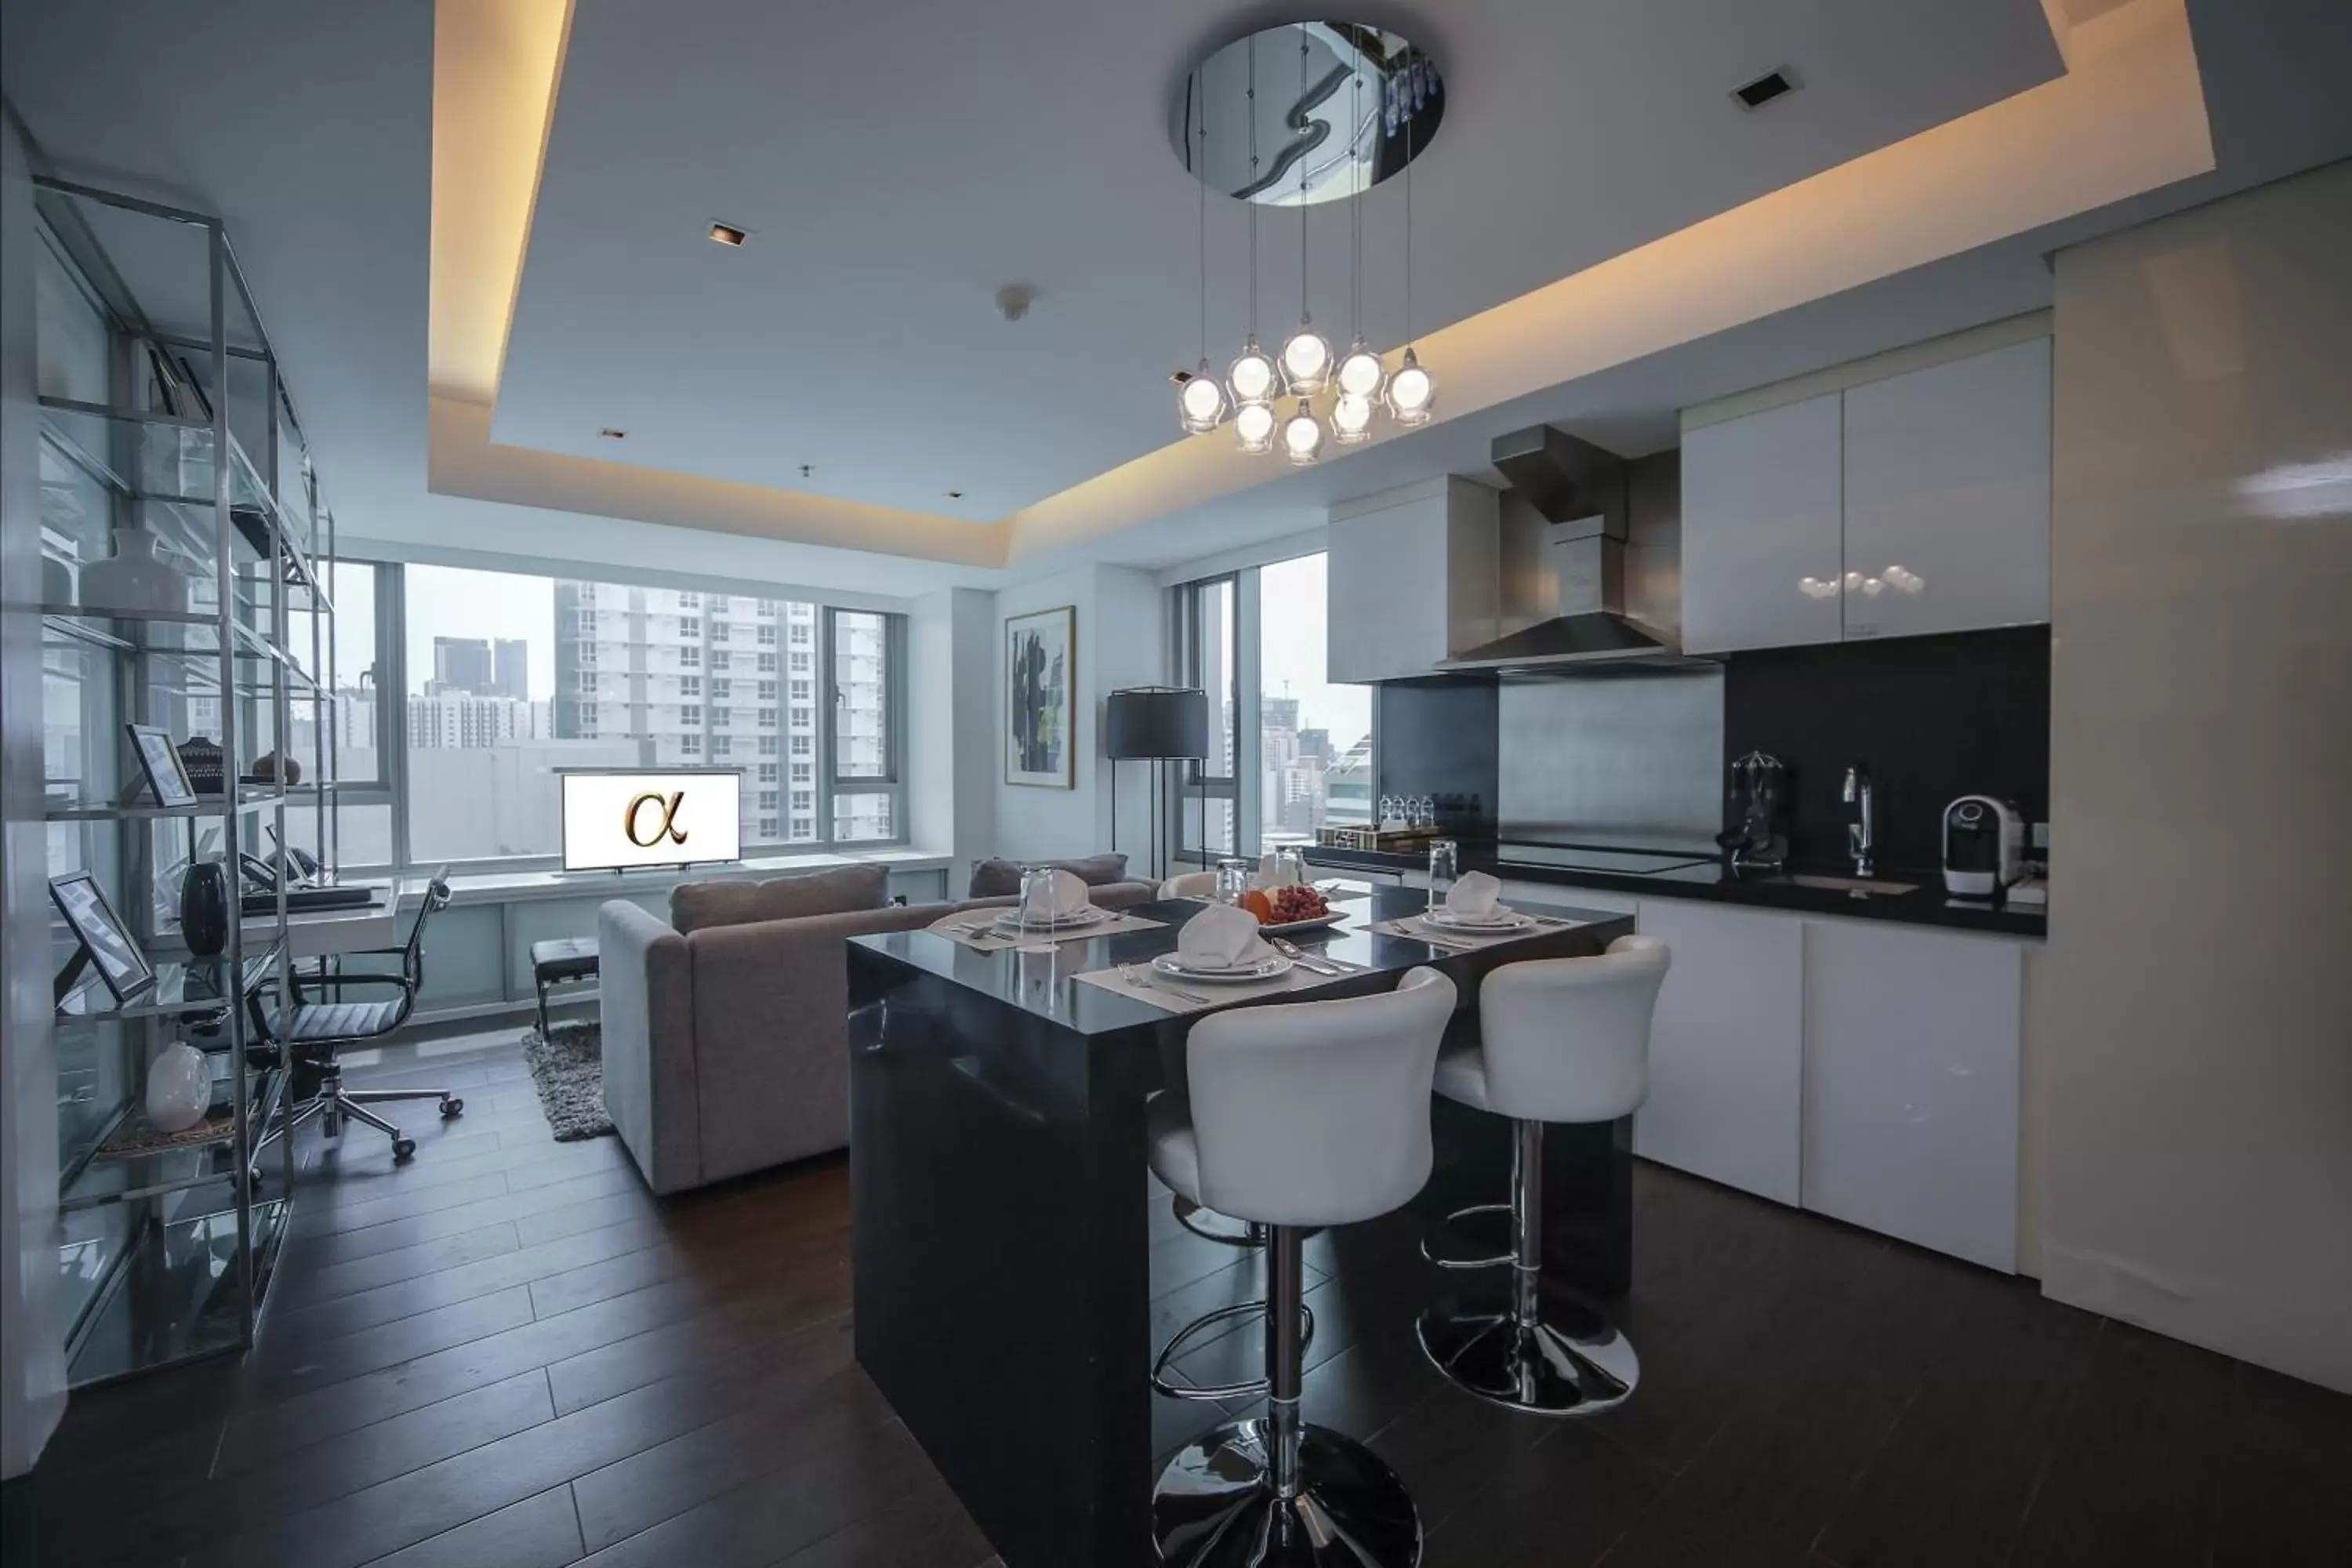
{"points": [[1444, 863], [1036, 898]]}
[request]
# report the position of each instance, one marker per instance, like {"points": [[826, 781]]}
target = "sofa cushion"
{"points": [[699, 906], [1001, 878]]}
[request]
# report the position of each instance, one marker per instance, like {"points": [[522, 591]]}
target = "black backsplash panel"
{"points": [[1933, 718], [1438, 737]]}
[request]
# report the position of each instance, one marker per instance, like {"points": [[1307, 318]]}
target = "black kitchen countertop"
{"points": [[1705, 877]]}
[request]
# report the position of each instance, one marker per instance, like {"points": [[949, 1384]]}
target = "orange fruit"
{"points": [[1259, 904]]}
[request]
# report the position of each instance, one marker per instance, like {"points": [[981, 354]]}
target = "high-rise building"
{"points": [[511, 668], [460, 664], [700, 679]]}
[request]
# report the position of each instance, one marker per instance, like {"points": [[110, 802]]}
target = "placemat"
{"points": [[1419, 930], [977, 930], [1173, 995]]}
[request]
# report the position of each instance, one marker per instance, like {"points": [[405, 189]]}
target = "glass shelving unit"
{"points": [[163, 414]]}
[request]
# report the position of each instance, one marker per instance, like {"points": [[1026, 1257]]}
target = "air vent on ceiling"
{"points": [[1765, 89]]}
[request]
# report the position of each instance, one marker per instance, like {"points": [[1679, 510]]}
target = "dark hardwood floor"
{"points": [[508, 1352]]}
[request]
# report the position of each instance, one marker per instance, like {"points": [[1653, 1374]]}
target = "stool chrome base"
{"points": [[1215, 1505], [1561, 1358]]}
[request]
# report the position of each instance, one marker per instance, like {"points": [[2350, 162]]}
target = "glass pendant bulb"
{"points": [[1302, 436], [1306, 360], [1351, 418], [1200, 401], [1361, 372], [1252, 378], [1411, 392], [1253, 427]]}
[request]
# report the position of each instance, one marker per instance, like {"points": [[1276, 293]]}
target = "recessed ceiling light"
{"points": [[728, 234], [955, 495], [609, 434], [1765, 87]]}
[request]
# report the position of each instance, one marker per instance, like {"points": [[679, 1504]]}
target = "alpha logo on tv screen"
{"points": [[613, 821]]}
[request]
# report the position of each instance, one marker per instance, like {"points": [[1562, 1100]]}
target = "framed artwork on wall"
{"points": [[1041, 689]]}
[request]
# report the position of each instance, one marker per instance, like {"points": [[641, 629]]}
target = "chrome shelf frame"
{"points": [[220, 473]]}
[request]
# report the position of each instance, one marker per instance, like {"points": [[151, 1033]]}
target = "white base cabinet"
{"points": [[1727, 1047], [1912, 1083]]}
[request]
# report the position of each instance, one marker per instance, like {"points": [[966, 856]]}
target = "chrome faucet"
{"points": [[1861, 831]]}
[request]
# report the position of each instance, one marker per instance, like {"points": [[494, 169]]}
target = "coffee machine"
{"points": [[1984, 847]]}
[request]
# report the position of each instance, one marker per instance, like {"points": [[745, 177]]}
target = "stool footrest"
{"points": [[1458, 1220], [1187, 1213], [1183, 1337]]}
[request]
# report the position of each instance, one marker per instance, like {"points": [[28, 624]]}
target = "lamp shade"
{"points": [[1155, 721]]}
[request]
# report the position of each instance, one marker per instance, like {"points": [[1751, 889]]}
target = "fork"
{"points": [[1128, 972]]}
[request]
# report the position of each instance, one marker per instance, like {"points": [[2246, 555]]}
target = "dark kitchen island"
{"points": [[1003, 1233]]}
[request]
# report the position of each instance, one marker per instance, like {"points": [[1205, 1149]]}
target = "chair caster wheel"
{"points": [[403, 1148], [452, 1108]]}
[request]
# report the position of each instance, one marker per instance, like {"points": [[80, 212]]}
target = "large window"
{"points": [[1208, 655], [1290, 751], [507, 677], [1314, 738]]}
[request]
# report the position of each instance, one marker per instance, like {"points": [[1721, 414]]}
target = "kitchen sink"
{"points": [[1854, 886]]}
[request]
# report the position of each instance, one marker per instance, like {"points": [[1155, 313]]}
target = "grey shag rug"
{"points": [[569, 1072]]}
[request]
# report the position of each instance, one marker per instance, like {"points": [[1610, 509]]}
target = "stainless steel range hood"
{"points": [[1579, 490]]}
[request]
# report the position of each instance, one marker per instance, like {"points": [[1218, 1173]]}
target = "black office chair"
{"points": [[312, 1032]]}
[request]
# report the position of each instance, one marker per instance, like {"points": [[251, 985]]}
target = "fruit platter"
{"points": [[1281, 911]]}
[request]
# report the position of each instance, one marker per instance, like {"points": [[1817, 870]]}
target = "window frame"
{"points": [[892, 783], [393, 787], [1245, 789]]}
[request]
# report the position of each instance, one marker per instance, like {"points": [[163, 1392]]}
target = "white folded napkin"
{"points": [[1473, 896], [1070, 894], [1068, 898], [1220, 937], [1274, 872]]}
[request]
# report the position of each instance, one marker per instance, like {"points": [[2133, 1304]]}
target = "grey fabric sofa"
{"points": [[725, 1028]]}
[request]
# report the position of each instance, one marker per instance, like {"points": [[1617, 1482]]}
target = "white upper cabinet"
{"points": [[1413, 579], [1947, 496], [1762, 551]]}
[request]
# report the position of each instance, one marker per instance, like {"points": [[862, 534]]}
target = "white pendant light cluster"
{"points": [[1358, 383]]}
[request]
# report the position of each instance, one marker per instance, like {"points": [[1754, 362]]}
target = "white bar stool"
{"points": [[1561, 1039], [1200, 884], [1302, 1114]]}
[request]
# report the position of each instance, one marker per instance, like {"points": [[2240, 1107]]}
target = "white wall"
{"points": [[2198, 1129], [32, 1329], [1121, 641], [952, 725]]}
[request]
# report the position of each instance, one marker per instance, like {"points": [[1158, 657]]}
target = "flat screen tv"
{"points": [[620, 819]]}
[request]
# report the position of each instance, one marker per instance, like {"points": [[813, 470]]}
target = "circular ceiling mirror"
{"points": [[1338, 108]]}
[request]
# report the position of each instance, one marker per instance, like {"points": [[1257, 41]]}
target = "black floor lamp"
{"points": [[1155, 724]]}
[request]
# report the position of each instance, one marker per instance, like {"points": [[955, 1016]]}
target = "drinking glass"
{"points": [[1445, 864], [1233, 881], [1290, 867], [1388, 813], [1036, 898]]}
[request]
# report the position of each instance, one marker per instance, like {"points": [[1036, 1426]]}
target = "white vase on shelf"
{"points": [[135, 577], [179, 1087]]}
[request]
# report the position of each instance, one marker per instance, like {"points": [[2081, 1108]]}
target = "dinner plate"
{"points": [[1503, 919], [1269, 968], [1010, 920], [1317, 923]]}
